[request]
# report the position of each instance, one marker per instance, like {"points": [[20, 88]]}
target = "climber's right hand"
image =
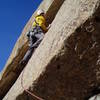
{"points": [[49, 26]]}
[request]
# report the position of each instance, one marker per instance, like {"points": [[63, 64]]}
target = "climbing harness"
{"points": [[26, 90]]}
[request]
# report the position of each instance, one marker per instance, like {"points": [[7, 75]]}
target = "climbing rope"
{"points": [[26, 90], [90, 29]]}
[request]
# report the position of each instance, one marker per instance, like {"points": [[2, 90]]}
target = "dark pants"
{"points": [[35, 37]]}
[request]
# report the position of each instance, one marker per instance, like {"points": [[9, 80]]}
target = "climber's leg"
{"points": [[39, 37], [34, 42], [31, 49], [27, 55]]}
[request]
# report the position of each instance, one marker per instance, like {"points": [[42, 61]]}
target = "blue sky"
{"points": [[14, 14]]}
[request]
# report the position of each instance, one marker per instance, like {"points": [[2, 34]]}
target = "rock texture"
{"points": [[12, 68], [66, 65]]}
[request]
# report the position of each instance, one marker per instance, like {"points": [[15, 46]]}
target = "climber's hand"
{"points": [[49, 26]]}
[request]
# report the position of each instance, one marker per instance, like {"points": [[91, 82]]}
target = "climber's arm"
{"points": [[43, 26]]}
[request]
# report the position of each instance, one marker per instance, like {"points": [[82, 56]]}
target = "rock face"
{"points": [[12, 68], [66, 65]]}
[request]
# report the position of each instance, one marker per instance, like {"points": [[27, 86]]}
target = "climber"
{"points": [[36, 34]]}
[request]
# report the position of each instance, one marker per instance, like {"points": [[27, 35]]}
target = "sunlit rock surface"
{"points": [[66, 65]]}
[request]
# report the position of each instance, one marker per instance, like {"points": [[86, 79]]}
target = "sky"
{"points": [[14, 14]]}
